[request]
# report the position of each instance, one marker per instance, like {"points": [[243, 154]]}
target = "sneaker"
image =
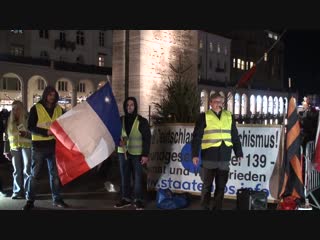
{"points": [[122, 203], [17, 196], [29, 205], [60, 204], [139, 205]]}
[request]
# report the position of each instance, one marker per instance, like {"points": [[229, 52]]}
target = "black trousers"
{"points": [[207, 177]]}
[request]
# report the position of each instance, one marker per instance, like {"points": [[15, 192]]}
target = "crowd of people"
{"points": [[28, 143]]}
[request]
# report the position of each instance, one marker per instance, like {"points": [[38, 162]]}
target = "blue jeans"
{"points": [[131, 168], [21, 162], [38, 159]]}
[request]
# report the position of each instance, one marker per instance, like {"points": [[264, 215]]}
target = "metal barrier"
{"points": [[312, 176]]}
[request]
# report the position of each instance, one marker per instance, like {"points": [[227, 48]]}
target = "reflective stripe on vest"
{"points": [[134, 142], [217, 130], [16, 141], [44, 121]]}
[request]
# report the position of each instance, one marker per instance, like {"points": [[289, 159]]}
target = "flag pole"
{"points": [[248, 74]]}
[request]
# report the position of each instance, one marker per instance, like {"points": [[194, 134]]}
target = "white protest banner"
{"points": [[170, 164]]}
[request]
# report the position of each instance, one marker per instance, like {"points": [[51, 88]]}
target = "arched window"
{"points": [[244, 100], [264, 105], [224, 100], [259, 104], [204, 101], [230, 102], [275, 105], [252, 104], [281, 105], [237, 104], [270, 105]]}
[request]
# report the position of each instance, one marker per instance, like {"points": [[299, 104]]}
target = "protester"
{"points": [[41, 116], [19, 151], [133, 153], [216, 134]]}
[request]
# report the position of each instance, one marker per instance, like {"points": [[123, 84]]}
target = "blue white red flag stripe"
{"points": [[87, 134]]}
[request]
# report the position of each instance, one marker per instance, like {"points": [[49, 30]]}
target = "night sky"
{"points": [[302, 54]]}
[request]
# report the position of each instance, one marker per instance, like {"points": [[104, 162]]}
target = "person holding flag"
{"points": [[42, 114], [80, 149]]}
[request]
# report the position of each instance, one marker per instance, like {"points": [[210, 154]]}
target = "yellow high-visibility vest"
{"points": [[44, 121], [217, 130], [16, 141], [134, 141]]}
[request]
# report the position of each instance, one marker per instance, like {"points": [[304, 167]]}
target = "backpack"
{"points": [[166, 199]]}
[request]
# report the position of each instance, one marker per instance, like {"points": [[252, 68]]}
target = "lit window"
{"points": [[265, 57], [239, 63], [16, 31], [200, 44], [251, 64], [211, 47], [270, 35], [101, 60], [275, 37], [234, 63], [242, 65], [247, 65], [218, 48]]}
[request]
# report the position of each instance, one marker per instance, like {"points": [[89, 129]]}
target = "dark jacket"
{"points": [[144, 128], [48, 145], [221, 153], [309, 123]]}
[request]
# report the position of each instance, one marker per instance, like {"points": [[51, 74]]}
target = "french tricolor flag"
{"points": [[87, 134]]}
